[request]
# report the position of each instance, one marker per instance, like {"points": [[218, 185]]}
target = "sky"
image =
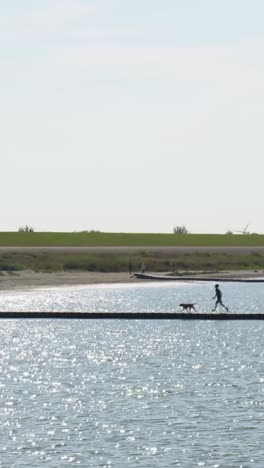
{"points": [[132, 115]]}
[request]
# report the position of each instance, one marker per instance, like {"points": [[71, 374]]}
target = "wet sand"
{"points": [[29, 279], [25, 280]]}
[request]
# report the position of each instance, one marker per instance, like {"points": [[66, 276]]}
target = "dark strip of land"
{"points": [[132, 315], [196, 278]]}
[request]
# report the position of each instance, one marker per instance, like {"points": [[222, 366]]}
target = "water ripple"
{"points": [[122, 393], [142, 297]]}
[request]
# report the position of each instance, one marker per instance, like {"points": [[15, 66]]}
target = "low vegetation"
{"points": [[26, 229], [180, 230], [153, 261]]}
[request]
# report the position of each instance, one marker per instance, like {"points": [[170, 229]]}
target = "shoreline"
{"points": [[28, 280]]}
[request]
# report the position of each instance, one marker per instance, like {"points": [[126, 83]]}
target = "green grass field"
{"points": [[98, 239]]}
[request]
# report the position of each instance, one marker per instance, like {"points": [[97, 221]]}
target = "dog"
{"points": [[188, 307]]}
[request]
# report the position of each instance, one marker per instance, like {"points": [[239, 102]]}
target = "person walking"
{"points": [[218, 296]]}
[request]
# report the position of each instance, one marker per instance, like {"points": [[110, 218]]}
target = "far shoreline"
{"points": [[28, 280]]}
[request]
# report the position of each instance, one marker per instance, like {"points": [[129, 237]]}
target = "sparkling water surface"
{"points": [[126, 393], [148, 297]]}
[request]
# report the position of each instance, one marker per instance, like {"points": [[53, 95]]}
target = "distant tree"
{"points": [[229, 233], [92, 231], [26, 229], [180, 230]]}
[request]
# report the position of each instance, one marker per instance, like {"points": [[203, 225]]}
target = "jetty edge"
{"points": [[145, 276], [132, 315]]}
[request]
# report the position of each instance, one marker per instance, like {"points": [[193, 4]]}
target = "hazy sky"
{"points": [[132, 115]]}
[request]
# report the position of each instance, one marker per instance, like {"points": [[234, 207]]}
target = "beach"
{"points": [[30, 279], [25, 280]]}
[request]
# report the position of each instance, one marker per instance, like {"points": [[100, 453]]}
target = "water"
{"points": [[120, 393], [159, 297]]}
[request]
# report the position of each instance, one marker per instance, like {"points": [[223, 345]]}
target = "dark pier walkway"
{"points": [[132, 315]]}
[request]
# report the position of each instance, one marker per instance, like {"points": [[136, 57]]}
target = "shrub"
{"points": [[180, 230], [10, 267], [26, 229]]}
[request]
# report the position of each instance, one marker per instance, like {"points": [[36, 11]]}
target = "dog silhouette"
{"points": [[188, 307]]}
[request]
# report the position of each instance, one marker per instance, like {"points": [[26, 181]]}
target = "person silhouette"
{"points": [[218, 296]]}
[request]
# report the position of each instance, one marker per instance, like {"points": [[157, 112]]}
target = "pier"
{"points": [[133, 315]]}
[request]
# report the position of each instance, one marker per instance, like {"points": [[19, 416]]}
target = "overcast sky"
{"points": [[132, 115]]}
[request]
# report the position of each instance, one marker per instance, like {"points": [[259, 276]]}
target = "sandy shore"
{"points": [[30, 279], [25, 280]]}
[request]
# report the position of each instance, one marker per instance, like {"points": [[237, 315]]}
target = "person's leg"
{"points": [[226, 308], [216, 302]]}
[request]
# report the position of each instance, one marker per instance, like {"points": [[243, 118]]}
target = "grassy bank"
{"points": [[97, 239], [154, 262]]}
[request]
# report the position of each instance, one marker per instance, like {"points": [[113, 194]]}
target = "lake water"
{"points": [[143, 297], [131, 393]]}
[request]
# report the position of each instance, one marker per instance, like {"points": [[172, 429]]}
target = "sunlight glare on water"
{"points": [[121, 393], [139, 298], [131, 393]]}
